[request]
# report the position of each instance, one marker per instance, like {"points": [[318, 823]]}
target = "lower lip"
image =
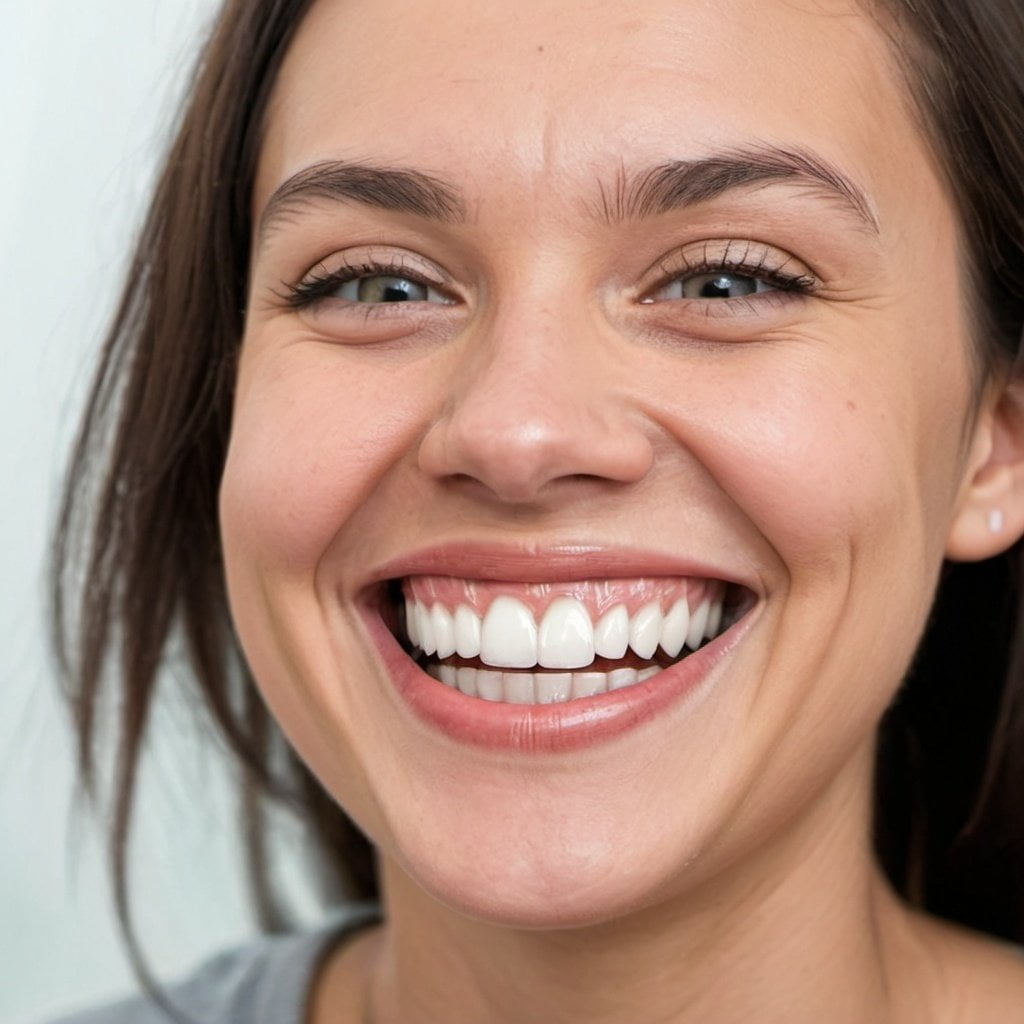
{"points": [[544, 728]]}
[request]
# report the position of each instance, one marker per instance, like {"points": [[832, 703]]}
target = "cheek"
{"points": [[831, 461], [308, 447]]}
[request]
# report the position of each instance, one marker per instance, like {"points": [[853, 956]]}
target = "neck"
{"points": [[804, 931]]}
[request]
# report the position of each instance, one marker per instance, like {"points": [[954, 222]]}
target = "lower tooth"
{"points": [[552, 687], [621, 677], [518, 687], [587, 684], [535, 688], [489, 685], [465, 678]]}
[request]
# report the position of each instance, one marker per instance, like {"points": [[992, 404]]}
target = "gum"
{"points": [[597, 596]]}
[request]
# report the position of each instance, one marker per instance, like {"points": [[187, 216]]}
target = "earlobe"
{"points": [[989, 516]]}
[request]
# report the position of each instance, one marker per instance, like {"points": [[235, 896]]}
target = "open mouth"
{"points": [[548, 643]]}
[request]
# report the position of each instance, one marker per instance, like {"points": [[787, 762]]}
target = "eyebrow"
{"points": [[682, 183], [661, 189], [401, 190]]}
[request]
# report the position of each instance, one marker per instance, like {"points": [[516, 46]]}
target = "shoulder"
{"points": [[263, 982], [976, 978], [990, 985]]}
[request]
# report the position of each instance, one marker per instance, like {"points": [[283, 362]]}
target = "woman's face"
{"points": [[639, 305]]}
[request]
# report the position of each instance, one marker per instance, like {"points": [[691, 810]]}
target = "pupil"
{"points": [[395, 293], [389, 289], [727, 286]]}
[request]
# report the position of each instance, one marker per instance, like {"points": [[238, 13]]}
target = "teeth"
{"points": [[465, 679], [444, 630], [411, 628], [566, 640], [645, 630], [467, 632], [508, 636], [566, 636], [536, 687], [714, 620], [552, 687], [698, 623], [611, 634], [675, 629], [588, 684], [518, 687], [620, 677], [425, 630], [489, 684]]}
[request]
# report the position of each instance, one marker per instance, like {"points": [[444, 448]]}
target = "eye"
{"points": [[724, 271], [716, 285], [386, 288], [368, 283]]}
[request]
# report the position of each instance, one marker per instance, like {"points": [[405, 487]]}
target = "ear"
{"points": [[989, 516]]}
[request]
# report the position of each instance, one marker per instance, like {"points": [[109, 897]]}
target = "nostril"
{"points": [[518, 468], [518, 438]]}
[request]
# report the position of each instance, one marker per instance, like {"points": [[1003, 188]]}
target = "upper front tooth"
{"points": [[444, 630], [698, 621], [508, 635], [611, 634], [566, 636], [645, 629], [467, 632], [675, 628]]}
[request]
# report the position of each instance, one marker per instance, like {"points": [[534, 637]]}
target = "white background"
{"points": [[87, 92]]}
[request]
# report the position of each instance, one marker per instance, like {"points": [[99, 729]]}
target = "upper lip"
{"points": [[521, 563]]}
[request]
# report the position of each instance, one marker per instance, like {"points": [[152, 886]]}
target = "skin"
{"points": [[830, 448]]}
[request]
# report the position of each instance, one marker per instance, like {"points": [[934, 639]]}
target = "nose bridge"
{"points": [[534, 399]]}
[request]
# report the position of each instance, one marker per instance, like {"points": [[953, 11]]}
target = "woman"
{"points": [[581, 403]]}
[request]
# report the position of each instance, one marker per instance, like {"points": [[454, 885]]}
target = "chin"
{"points": [[537, 894], [536, 873]]}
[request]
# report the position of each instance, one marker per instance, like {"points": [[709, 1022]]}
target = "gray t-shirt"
{"points": [[265, 982]]}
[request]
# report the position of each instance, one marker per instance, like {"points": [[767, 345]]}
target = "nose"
{"points": [[532, 404]]}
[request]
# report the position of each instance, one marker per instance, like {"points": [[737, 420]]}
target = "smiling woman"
{"points": [[554, 494]]}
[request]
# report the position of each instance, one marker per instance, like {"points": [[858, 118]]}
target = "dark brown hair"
{"points": [[137, 555]]}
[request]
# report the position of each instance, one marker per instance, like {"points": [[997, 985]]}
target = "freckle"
{"points": [[540, 49]]}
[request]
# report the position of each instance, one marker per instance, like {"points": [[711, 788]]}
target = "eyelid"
{"points": [[738, 256], [368, 261]]}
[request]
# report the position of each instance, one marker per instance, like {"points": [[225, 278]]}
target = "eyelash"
{"points": [[742, 265], [313, 289]]}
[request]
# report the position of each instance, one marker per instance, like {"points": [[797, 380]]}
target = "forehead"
{"points": [[541, 97]]}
